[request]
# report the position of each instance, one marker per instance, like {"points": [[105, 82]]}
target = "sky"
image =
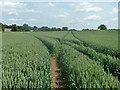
{"points": [[75, 15]]}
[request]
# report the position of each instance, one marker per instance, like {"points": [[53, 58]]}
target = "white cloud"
{"points": [[33, 11], [93, 17], [64, 14], [13, 5], [12, 19], [32, 20], [51, 4], [12, 8], [64, 0], [1, 4], [12, 13], [46, 5], [115, 10], [75, 22], [61, 15], [87, 7]]}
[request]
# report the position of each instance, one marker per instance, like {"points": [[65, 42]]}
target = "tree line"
{"points": [[101, 27], [26, 27]]}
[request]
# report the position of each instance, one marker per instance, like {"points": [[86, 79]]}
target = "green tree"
{"points": [[5, 25], [20, 28], [65, 28], [26, 27], [72, 30], [53, 29], [2, 27], [58, 29], [102, 27], [35, 28], [85, 29], [14, 27], [44, 28]]}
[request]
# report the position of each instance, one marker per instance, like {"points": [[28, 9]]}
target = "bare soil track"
{"points": [[57, 81]]}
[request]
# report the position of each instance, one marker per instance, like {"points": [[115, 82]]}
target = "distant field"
{"points": [[88, 59], [105, 38]]}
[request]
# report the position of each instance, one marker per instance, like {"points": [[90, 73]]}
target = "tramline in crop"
{"points": [[26, 60]]}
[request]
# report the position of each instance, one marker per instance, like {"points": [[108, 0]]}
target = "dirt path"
{"points": [[57, 81]]}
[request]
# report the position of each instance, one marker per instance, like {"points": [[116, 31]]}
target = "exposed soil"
{"points": [[57, 81]]}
